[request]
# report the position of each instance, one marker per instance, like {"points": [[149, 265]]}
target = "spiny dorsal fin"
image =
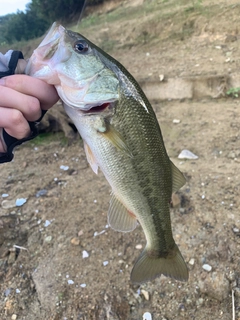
{"points": [[119, 218], [178, 179]]}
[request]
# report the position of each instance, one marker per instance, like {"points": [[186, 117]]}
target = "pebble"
{"points": [[85, 254], [48, 239], [20, 202], [7, 204], [41, 193], [70, 282], [7, 292], [5, 195], [147, 316], [215, 285], [176, 121], [207, 267], [83, 285], [64, 168], [105, 263], [138, 246], [47, 223], [14, 317], [145, 294], [191, 261], [18, 291], [186, 154], [176, 201], [75, 241]]}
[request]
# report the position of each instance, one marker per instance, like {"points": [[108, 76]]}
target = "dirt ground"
{"points": [[59, 259]]}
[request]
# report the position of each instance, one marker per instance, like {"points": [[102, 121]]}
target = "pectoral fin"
{"points": [[178, 179], [116, 139], [90, 158], [119, 218]]}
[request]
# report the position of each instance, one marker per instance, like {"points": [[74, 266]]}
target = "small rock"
{"points": [[85, 254], [105, 263], [14, 317], [47, 223], [145, 294], [5, 195], [7, 204], [7, 292], [64, 168], [176, 121], [41, 193], [138, 246], [83, 285], [70, 282], [48, 239], [18, 291], [215, 285], [75, 241], [191, 261], [20, 202], [186, 154], [161, 77], [147, 316], [176, 201], [207, 267]]}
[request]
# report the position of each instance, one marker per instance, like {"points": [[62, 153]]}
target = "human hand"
{"points": [[22, 99]]}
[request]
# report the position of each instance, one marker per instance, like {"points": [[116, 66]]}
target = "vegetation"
{"points": [[233, 92], [37, 18]]}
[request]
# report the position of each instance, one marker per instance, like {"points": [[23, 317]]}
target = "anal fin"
{"points": [[119, 218]]}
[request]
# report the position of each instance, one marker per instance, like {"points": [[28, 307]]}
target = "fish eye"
{"points": [[81, 46]]}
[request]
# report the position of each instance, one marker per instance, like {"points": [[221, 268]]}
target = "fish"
{"points": [[122, 137]]}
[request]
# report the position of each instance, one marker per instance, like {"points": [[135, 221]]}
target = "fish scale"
{"points": [[122, 137]]}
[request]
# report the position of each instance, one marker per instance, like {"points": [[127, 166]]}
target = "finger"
{"points": [[14, 123], [45, 93], [28, 106]]}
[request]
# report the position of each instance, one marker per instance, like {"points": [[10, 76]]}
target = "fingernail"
{"points": [[2, 81]]}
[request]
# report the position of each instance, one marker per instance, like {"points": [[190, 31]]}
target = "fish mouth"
{"points": [[99, 108], [103, 108]]}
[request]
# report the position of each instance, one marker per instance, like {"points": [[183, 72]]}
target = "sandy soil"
{"points": [[59, 259]]}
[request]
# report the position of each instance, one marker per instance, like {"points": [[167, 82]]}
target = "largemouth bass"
{"points": [[122, 137]]}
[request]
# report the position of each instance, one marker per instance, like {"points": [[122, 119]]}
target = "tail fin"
{"points": [[148, 268]]}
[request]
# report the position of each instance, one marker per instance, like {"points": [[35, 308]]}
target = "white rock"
{"points": [[64, 168], [191, 261], [207, 267], [186, 154], [70, 282], [176, 121], [147, 316], [85, 254], [20, 202], [105, 263]]}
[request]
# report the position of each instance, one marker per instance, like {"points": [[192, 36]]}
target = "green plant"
{"points": [[233, 92]]}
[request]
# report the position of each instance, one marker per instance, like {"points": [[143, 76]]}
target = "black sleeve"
{"points": [[10, 141]]}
